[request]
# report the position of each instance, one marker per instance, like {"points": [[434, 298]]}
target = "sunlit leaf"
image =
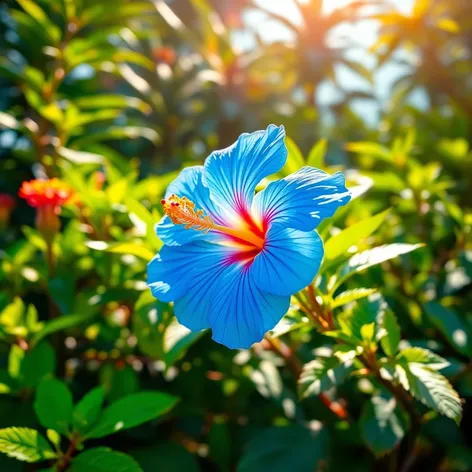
{"points": [[25, 444]]}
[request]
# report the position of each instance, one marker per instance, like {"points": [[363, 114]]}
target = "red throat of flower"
{"points": [[247, 237]]}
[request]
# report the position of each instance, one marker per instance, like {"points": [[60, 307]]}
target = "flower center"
{"points": [[181, 211]]}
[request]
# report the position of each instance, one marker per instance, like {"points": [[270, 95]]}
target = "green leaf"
{"points": [[38, 363], [220, 445], [12, 314], [53, 405], [148, 323], [419, 355], [132, 411], [320, 375], [177, 339], [54, 437], [25, 444], [351, 295], [382, 425], [80, 157], [317, 154], [449, 323], [35, 11], [391, 339], [86, 412], [136, 249], [278, 449], [365, 312], [295, 159], [112, 101], [58, 324], [15, 359], [103, 459], [341, 242], [434, 390], [370, 149], [371, 257]]}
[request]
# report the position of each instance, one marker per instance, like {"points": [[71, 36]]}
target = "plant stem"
{"points": [[65, 460]]}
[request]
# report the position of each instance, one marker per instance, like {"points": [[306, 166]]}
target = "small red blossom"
{"points": [[47, 196], [164, 54], [41, 193]]}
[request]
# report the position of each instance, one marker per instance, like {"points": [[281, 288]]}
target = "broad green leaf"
{"points": [[419, 355], [370, 149], [15, 359], [112, 101], [170, 456], [144, 221], [434, 390], [371, 257], [112, 133], [391, 339], [131, 411], [177, 339], [38, 14], [136, 249], [38, 362], [58, 324], [320, 375], [382, 424], [368, 332], [12, 314], [341, 242], [54, 437], [317, 154], [148, 321], [86, 412], [53, 405], [448, 322], [25, 444], [295, 159], [351, 295], [220, 445], [365, 312], [80, 157], [103, 459], [278, 449]]}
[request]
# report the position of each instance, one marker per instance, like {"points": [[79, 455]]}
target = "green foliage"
{"points": [[54, 392], [25, 444], [131, 411], [273, 448], [382, 424], [102, 459], [372, 359]]}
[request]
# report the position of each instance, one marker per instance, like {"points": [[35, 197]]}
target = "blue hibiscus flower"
{"points": [[232, 258]]}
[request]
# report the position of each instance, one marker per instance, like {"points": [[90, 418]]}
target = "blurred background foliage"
{"points": [[113, 98]]}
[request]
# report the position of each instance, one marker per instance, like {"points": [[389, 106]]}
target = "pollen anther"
{"points": [[182, 211]]}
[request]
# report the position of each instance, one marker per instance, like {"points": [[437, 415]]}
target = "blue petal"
{"points": [[241, 313], [189, 184], [289, 261], [301, 200], [233, 174]]}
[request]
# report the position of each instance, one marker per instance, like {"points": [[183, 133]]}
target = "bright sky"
{"points": [[362, 34]]}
